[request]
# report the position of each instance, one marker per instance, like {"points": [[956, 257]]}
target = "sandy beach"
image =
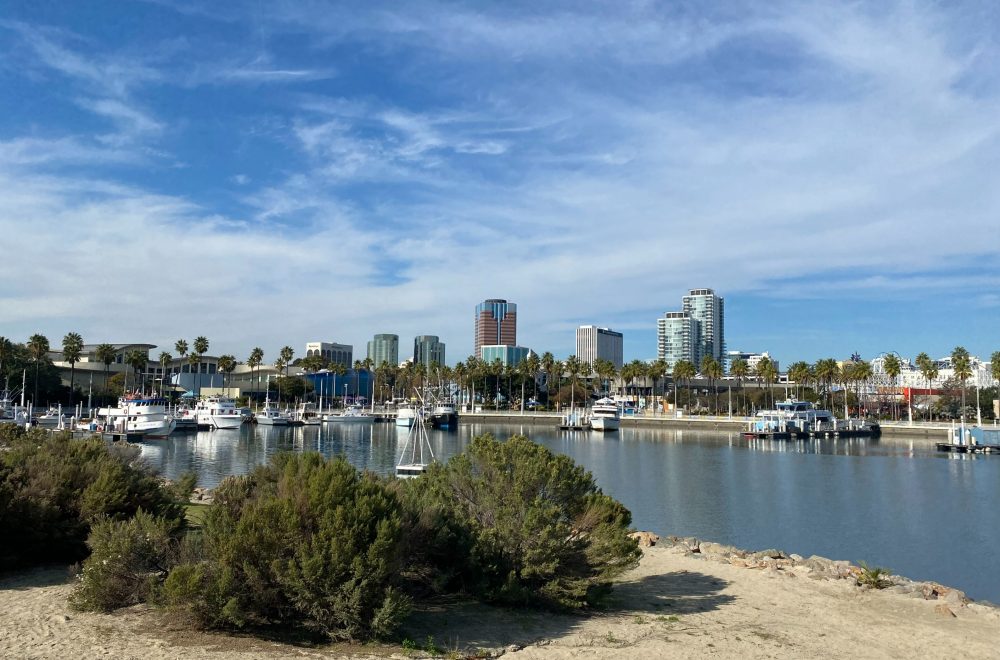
{"points": [[676, 604]]}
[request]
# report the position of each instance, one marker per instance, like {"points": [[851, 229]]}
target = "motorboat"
{"points": [[186, 418], [354, 414], [138, 415], [218, 412], [793, 417], [406, 415], [605, 416], [307, 415], [52, 417], [271, 415]]}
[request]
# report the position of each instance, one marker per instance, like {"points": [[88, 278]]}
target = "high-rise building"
{"points": [[676, 338], [428, 349], [384, 348], [342, 354], [593, 343], [708, 310], [496, 324], [509, 356]]}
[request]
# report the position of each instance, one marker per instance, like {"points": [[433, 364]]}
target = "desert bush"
{"points": [[874, 577], [539, 530], [53, 488], [128, 560], [303, 541]]}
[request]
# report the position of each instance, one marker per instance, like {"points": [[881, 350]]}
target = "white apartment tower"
{"points": [[708, 310], [593, 343]]}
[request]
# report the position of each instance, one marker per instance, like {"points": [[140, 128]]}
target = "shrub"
{"points": [[52, 489], [303, 541], [874, 577], [128, 559], [539, 529]]}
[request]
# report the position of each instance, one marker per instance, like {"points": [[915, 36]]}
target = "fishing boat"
{"points": [[444, 415], [605, 416], [218, 412], [307, 415], [270, 415]]}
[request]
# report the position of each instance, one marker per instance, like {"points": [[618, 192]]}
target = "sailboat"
{"points": [[413, 461]]}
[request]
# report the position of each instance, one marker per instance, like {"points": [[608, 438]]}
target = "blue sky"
{"points": [[272, 173]]}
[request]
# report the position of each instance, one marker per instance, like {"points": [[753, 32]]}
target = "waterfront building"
{"points": [[708, 309], [496, 324], [752, 360], [676, 338], [593, 343], [428, 349], [342, 354], [384, 348], [508, 355]]}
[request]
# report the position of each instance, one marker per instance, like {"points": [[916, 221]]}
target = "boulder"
{"points": [[645, 539], [709, 548], [945, 611]]}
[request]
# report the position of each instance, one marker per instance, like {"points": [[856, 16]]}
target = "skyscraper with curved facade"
{"points": [[384, 348], [496, 324]]}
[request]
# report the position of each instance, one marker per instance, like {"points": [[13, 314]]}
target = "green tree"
{"points": [[739, 370], [200, 349], [72, 351], [287, 352], [38, 348], [227, 364], [893, 367], [541, 530], [962, 366], [768, 374], [657, 370], [181, 347], [548, 362], [107, 354], [303, 541], [713, 371], [165, 359], [826, 371], [254, 361], [799, 373], [684, 371], [995, 365], [137, 360]]}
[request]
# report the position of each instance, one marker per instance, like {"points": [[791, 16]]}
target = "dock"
{"points": [[967, 449], [813, 435]]}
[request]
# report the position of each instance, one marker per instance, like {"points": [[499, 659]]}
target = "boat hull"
{"points": [[605, 424], [225, 422]]}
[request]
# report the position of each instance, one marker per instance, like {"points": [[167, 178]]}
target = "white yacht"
{"points": [[406, 415], [52, 417], [271, 415], [218, 412], [307, 415], [605, 416], [793, 416], [145, 416], [355, 414], [11, 412]]}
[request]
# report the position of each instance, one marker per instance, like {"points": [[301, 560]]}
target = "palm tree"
{"points": [[892, 367], [767, 373], [605, 370], [826, 371], [38, 348], [573, 368], [137, 360], [287, 353], [714, 372], [799, 373], [861, 373], [254, 361], [227, 363], [534, 365], [200, 349], [106, 353], [548, 362], [739, 369], [995, 365], [165, 359], [684, 371], [657, 370], [72, 350], [962, 366]]}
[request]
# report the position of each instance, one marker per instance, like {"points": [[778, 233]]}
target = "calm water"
{"points": [[891, 503]]}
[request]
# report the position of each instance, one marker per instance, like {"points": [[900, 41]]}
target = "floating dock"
{"points": [[968, 449], [868, 432]]}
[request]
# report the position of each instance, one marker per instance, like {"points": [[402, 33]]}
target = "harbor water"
{"points": [[891, 503]]}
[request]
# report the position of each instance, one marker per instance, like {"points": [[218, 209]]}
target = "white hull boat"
{"points": [[219, 413], [604, 416], [406, 416], [352, 414]]}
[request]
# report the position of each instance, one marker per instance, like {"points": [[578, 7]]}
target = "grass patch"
{"points": [[195, 514]]}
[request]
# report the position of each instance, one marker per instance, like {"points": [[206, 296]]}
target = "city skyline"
{"points": [[267, 175]]}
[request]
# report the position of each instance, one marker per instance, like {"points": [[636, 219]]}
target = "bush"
{"points": [[539, 530], [303, 541], [128, 559], [52, 489]]}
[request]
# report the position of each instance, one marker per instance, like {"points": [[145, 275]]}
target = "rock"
{"points": [[796, 558], [769, 554], [709, 548], [955, 599], [945, 611], [693, 544], [645, 539]]}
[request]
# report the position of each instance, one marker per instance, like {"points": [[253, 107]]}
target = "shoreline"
{"points": [[687, 598]]}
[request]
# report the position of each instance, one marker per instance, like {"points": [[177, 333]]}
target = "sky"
{"points": [[272, 173]]}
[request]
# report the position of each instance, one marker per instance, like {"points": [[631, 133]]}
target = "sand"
{"points": [[674, 605]]}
